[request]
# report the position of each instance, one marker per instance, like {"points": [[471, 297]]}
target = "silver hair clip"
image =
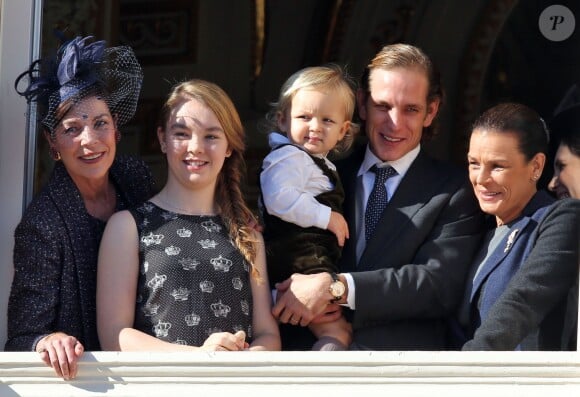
{"points": [[510, 240]]}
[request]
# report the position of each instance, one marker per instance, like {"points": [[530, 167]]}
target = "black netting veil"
{"points": [[80, 68]]}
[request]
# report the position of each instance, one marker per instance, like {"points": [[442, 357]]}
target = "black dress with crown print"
{"points": [[193, 281]]}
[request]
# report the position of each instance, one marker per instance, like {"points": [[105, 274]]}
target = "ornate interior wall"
{"points": [[486, 50]]}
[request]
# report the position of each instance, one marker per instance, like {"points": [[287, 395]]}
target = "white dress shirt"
{"points": [[290, 181]]}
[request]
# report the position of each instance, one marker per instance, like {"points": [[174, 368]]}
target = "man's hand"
{"points": [[301, 298]]}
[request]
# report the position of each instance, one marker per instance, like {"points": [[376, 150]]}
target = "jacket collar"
{"points": [[415, 190], [539, 200]]}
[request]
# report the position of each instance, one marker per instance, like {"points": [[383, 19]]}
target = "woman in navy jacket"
{"points": [[519, 283]]}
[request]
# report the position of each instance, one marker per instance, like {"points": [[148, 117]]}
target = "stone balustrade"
{"points": [[275, 374]]}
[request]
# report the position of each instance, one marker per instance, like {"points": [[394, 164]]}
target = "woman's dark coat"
{"points": [[55, 258]]}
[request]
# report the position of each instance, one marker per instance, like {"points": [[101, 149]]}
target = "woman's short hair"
{"points": [[518, 119]]}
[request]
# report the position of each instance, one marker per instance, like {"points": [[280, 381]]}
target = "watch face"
{"points": [[337, 289]]}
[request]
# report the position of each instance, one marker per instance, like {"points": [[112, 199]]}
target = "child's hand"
{"points": [[337, 225], [241, 335]]}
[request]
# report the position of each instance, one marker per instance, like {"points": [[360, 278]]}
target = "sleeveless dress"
{"points": [[193, 281]]}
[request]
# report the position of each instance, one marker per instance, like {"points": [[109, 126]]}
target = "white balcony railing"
{"points": [[275, 374]]}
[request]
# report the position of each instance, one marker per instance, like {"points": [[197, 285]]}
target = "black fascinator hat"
{"points": [[565, 124], [565, 127], [566, 120], [83, 67]]}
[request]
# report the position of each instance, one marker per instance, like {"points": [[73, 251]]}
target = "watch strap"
{"points": [[335, 279]]}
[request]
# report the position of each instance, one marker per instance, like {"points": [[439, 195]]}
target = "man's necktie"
{"points": [[377, 199]]}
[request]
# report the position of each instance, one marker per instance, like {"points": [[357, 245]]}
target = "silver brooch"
{"points": [[510, 240]]}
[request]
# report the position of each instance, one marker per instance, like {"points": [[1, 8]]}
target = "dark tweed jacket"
{"points": [[55, 258]]}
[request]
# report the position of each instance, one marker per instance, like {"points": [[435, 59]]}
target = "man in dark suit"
{"points": [[403, 277]]}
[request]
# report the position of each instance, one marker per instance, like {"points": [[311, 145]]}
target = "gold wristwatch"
{"points": [[337, 288]]}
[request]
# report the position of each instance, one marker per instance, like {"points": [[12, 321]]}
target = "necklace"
{"points": [[173, 208]]}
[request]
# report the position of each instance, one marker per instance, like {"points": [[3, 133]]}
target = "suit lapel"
{"points": [[496, 258], [539, 200], [69, 202], [348, 170], [76, 219], [412, 194]]}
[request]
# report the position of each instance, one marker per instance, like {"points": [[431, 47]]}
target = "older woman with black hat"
{"points": [[83, 96]]}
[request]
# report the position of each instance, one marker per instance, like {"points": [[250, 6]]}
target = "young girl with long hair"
{"points": [[186, 270]]}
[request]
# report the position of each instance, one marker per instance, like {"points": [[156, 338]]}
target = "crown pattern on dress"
{"points": [[206, 286], [152, 239], [211, 226], [150, 310], [213, 330], [161, 329], [183, 232], [180, 294], [192, 319], [221, 264], [169, 216], [207, 243], [172, 250], [147, 207], [157, 282], [145, 267], [245, 307], [237, 283], [219, 309], [179, 342], [188, 263]]}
